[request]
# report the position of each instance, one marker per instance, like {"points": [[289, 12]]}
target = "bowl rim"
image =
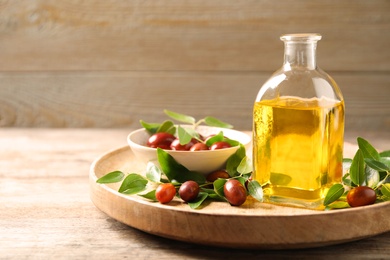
{"points": [[140, 146]]}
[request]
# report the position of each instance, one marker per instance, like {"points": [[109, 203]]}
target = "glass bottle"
{"points": [[298, 128]]}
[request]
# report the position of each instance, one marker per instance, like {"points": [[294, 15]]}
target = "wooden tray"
{"points": [[253, 225]]}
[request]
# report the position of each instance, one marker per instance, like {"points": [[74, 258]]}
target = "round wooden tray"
{"points": [[252, 225]]}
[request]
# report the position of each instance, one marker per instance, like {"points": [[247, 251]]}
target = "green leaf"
{"points": [[151, 195], [231, 142], [367, 149], [207, 190], [246, 176], [383, 176], [216, 138], [132, 184], [184, 134], [151, 128], [346, 165], [215, 196], [153, 173], [385, 198], [323, 178], [193, 176], [212, 121], [167, 127], [245, 166], [334, 193], [255, 190], [112, 177], [347, 180], [385, 153], [175, 171], [169, 166], [377, 165], [242, 180], [199, 200], [356, 171], [372, 177], [234, 161], [338, 205], [180, 117], [191, 131], [218, 187], [386, 189], [280, 178], [385, 161], [347, 160], [212, 194]]}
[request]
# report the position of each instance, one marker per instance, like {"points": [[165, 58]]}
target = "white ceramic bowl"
{"points": [[199, 161]]}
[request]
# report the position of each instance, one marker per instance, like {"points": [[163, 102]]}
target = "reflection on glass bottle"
{"points": [[298, 128]]}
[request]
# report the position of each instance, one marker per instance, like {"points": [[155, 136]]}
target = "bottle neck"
{"points": [[300, 55], [300, 50]]}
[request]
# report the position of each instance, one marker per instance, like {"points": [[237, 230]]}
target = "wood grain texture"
{"points": [[109, 63], [47, 212], [121, 99], [188, 35]]}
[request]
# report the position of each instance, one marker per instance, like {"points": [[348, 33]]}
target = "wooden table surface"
{"points": [[47, 212]]}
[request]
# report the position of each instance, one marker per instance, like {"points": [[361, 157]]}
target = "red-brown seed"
{"points": [[216, 175], [361, 196], [175, 145], [189, 191], [165, 192], [199, 147], [161, 140], [234, 192]]}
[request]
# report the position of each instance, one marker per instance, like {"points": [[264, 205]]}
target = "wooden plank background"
{"points": [[110, 63]]}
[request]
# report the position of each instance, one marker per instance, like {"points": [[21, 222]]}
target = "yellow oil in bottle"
{"points": [[298, 149]]}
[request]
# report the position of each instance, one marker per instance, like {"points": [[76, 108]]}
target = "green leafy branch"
{"points": [[185, 134], [367, 168], [238, 167]]}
